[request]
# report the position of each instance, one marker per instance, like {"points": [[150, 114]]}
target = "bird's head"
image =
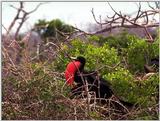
{"points": [[76, 65]]}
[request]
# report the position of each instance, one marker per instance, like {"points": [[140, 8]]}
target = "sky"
{"points": [[75, 13]]}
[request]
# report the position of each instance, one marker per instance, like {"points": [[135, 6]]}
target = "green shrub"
{"points": [[135, 50], [37, 90], [96, 56], [122, 83], [140, 53]]}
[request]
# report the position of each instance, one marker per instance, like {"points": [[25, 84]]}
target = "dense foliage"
{"points": [[120, 60], [36, 90]]}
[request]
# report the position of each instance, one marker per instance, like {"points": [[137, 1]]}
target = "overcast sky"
{"points": [[74, 13]]}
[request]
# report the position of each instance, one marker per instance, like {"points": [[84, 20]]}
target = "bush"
{"points": [[35, 90], [140, 53], [96, 56], [135, 50], [145, 93], [32, 97]]}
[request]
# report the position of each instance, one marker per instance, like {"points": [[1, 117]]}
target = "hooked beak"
{"points": [[73, 58]]}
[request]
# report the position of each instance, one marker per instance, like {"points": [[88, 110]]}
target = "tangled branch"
{"points": [[24, 17], [119, 20]]}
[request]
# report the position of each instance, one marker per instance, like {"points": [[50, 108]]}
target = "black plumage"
{"points": [[100, 86]]}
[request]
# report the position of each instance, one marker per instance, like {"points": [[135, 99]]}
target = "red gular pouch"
{"points": [[70, 71]]}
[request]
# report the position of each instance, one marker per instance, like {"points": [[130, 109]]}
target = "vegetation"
{"points": [[52, 29], [128, 64], [37, 90], [33, 83]]}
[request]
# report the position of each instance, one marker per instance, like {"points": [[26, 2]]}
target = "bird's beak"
{"points": [[73, 58]]}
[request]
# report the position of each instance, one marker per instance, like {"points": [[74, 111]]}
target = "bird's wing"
{"points": [[93, 77]]}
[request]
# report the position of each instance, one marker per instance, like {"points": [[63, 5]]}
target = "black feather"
{"points": [[100, 86]]}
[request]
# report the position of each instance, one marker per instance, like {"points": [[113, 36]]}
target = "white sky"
{"points": [[74, 13]]}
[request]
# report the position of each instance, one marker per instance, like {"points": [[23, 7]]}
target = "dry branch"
{"points": [[15, 18], [23, 18], [119, 20]]}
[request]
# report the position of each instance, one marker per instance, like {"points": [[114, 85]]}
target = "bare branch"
{"points": [[35, 8], [125, 26], [19, 9], [8, 35], [150, 39], [101, 23], [139, 10], [146, 18], [157, 3], [5, 28], [95, 17], [150, 6], [15, 18], [123, 17], [20, 25], [119, 20], [25, 17]]}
